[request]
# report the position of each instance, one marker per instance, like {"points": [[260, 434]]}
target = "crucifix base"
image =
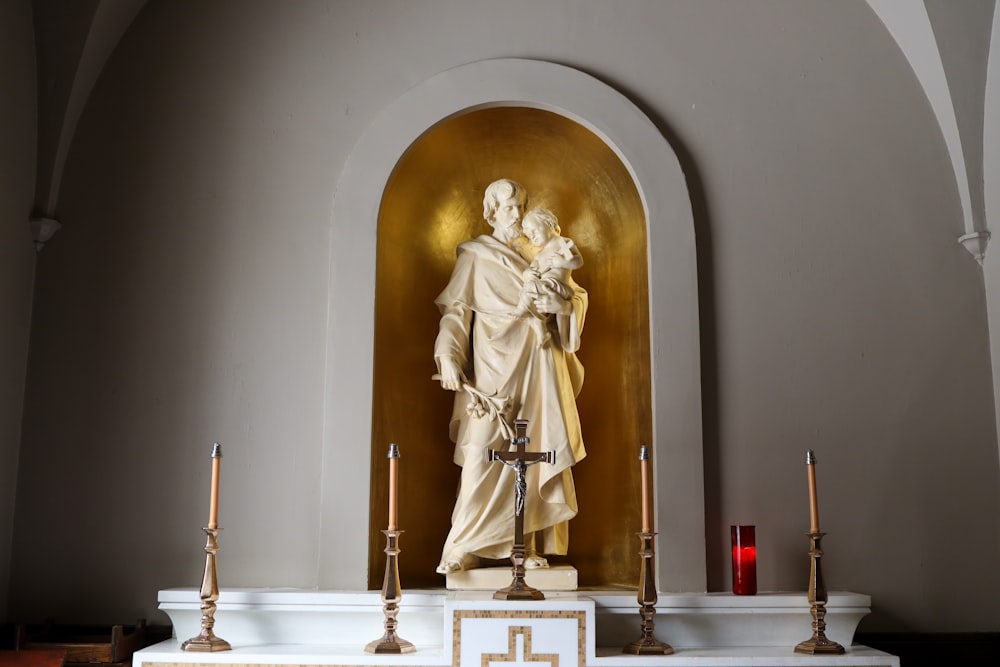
{"points": [[519, 588], [524, 592]]}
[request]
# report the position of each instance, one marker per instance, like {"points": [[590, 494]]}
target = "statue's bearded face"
{"points": [[507, 218]]}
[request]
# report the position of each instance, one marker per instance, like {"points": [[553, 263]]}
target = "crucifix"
{"points": [[518, 459]]}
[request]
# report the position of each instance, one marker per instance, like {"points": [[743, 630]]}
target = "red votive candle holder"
{"points": [[744, 559]]}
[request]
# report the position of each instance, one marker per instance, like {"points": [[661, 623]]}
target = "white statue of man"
{"points": [[502, 368]]}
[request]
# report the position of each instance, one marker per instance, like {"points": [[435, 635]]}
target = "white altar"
{"points": [[470, 629]]}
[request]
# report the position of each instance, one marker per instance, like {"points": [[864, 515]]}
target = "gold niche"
{"points": [[432, 202]]}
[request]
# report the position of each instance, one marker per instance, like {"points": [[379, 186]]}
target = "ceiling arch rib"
{"points": [[907, 22], [111, 19], [910, 25], [991, 128]]}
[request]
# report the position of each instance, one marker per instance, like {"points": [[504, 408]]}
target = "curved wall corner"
{"points": [[674, 330]]}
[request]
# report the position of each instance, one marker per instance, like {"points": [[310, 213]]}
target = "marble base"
{"points": [[554, 578], [469, 628]]}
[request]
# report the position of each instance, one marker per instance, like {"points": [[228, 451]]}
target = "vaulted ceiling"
{"points": [[947, 44], [73, 41]]}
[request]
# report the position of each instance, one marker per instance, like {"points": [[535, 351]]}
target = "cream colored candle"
{"points": [[213, 504], [813, 502], [393, 481], [644, 470]]}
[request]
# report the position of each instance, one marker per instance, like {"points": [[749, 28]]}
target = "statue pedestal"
{"points": [[554, 578]]}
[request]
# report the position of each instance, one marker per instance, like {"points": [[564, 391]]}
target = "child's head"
{"points": [[540, 225]]}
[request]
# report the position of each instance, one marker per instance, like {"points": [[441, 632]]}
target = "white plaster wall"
{"points": [[17, 251], [185, 300]]}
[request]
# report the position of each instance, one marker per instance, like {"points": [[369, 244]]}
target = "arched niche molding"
{"points": [[673, 306]]}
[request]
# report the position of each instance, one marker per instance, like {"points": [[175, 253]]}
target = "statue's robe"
{"points": [[504, 354]]}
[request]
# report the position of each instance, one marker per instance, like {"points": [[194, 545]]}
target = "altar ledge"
{"points": [[469, 629]]}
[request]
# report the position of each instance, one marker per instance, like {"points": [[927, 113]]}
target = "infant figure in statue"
{"points": [[504, 368], [550, 269]]}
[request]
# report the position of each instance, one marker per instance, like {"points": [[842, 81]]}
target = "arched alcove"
{"points": [[672, 306], [432, 203]]}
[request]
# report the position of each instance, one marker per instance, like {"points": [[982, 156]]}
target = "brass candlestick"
{"points": [[647, 644], [818, 644], [207, 641], [390, 642]]}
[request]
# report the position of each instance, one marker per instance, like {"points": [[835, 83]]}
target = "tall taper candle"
{"points": [[644, 469], [393, 480], [813, 502], [213, 505]]}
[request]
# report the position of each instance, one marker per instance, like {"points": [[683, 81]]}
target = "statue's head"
{"points": [[504, 202]]}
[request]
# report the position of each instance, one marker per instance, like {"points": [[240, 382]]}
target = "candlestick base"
{"points": [[818, 644], [390, 642], [647, 644], [647, 597], [207, 641]]}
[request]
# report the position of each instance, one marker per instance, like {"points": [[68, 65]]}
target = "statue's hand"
{"points": [[550, 302], [452, 378]]}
